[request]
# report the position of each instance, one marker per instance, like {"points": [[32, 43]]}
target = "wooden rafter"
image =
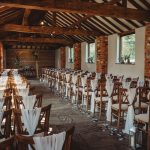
{"points": [[25, 17], [45, 30], [88, 8], [38, 40]]}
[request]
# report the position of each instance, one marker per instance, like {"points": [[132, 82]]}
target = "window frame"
{"points": [[88, 54], [71, 54], [120, 49]]}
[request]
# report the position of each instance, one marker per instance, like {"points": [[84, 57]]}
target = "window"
{"points": [[70, 55], [127, 49], [90, 53]]}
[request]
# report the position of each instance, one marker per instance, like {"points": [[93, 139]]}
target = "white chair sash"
{"points": [[29, 101], [1, 93], [93, 86], [83, 82], [130, 114], [30, 119], [23, 92], [67, 84], [1, 103], [98, 75], [1, 117], [109, 88], [51, 142]]}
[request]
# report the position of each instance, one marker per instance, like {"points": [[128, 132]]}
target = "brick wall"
{"points": [[46, 57], [102, 54], [62, 57], [147, 52], [77, 56]]}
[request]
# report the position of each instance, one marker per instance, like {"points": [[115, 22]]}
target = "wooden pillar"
{"points": [[77, 56], [1, 57], [62, 57], [102, 54], [147, 52]]}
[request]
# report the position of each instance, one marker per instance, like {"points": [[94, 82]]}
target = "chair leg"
{"points": [[100, 111], [118, 122]]}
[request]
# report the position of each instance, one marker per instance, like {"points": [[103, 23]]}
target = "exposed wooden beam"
{"points": [[83, 19], [87, 8], [25, 17], [37, 40], [45, 30], [54, 18], [112, 2]]}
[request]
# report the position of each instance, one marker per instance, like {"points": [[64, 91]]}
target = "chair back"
{"points": [[44, 118], [6, 127], [7, 102], [23, 141], [68, 139], [7, 144], [39, 98]]}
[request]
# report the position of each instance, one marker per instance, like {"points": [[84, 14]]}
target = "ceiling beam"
{"points": [[25, 17], [37, 40], [88, 8], [46, 30]]}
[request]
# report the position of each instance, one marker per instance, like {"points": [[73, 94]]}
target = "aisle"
{"points": [[88, 135]]}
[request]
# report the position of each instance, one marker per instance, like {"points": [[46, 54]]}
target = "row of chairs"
{"points": [[58, 80], [22, 142]]}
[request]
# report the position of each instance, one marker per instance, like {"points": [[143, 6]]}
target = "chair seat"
{"points": [[142, 118], [143, 105], [104, 99], [123, 106]]}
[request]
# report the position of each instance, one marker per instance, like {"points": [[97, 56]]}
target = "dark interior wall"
{"points": [[26, 58]]}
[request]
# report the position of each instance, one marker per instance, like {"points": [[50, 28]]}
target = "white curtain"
{"points": [[51, 142], [93, 86], [130, 114], [109, 88], [29, 101], [30, 119]]}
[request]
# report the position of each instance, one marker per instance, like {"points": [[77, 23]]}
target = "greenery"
{"points": [[128, 48]]}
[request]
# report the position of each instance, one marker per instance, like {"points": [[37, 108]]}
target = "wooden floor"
{"points": [[88, 134]]}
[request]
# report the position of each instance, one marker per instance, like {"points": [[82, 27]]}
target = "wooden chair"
{"points": [[7, 144], [39, 98], [7, 102], [43, 124], [7, 92], [6, 124], [18, 102], [141, 99], [120, 107], [101, 99], [23, 141]]}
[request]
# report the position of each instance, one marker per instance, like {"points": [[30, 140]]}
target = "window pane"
{"points": [[128, 48], [72, 54], [86, 55], [92, 51]]}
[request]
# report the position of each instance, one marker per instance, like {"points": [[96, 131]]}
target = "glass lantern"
{"points": [[135, 138]]}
